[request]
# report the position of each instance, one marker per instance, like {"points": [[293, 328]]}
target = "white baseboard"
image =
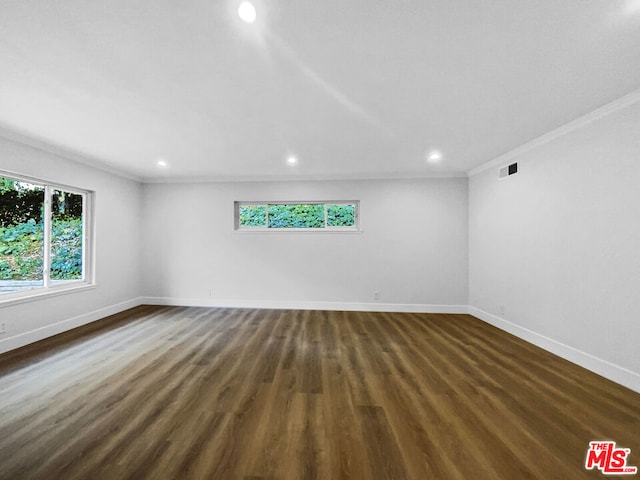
{"points": [[41, 333], [606, 369], [306, 305]]}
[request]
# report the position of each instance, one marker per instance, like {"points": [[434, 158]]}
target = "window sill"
{"points": [[10, 299], [282, 231]]}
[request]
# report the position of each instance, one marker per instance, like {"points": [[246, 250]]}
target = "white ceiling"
{"points": [[357, 88]]}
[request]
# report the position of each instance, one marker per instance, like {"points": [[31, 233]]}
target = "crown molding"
{"points": [[62, 152], [593, 116], [303, 178], [94, 162]]}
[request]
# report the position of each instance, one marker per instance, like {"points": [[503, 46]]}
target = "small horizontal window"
{"points": [[342, 215]]}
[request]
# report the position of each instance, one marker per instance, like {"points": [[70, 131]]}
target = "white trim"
{"points": [[303, 178], [90, 249], [46, 240], [608, 109], [297, 231], [39, 182], [597, 365], [85, 237], [565, 129], [62, 152], [88, 245], [47, 331], [305, 305], [40, 293]]}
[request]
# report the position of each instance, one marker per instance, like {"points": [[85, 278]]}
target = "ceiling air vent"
{"points": [[508, 170]]}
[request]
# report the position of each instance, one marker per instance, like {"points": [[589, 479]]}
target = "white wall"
{"points": [[558, 245], [118, 266], [413, 248], [550, 254]]}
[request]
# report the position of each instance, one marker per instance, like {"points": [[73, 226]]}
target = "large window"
{"points": [[334, 216], [43, 236]]}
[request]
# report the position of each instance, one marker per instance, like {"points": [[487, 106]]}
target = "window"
{"points": [[43, 236], [326, 216]]}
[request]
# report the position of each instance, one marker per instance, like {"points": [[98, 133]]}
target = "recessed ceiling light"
{"points": [[291, 160], [434, 156], [247, 12], [161, 163]]}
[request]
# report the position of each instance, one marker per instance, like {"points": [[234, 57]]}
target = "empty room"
{"points": [[277, 239]]}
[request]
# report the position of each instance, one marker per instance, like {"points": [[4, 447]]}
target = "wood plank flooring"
{"points": [[203, 393]]}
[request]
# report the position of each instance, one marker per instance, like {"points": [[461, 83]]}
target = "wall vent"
{"points": [[508, 170]]}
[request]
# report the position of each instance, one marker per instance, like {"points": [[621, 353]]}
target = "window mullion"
{"points": [[46, 254]]}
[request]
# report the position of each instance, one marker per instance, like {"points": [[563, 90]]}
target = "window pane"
{"points": [[296, 216], [253, 215], [21, 235], [66, 236], [341, 215]]}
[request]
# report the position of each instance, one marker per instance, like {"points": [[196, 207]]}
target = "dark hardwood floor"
{"points": [[166, 392]]}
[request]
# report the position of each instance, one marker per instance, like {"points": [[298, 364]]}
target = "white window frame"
{"points": [[88, 260], [355, 228]]}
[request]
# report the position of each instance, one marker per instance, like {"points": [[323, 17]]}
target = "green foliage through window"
{"points": [[253, 215], [341, 215], [22, 235], [66, 235], [296, 215], [66, 249]]}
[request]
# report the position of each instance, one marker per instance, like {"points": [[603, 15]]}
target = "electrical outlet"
{"points": [[502, 310], [3, 328], [376, 295]]}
